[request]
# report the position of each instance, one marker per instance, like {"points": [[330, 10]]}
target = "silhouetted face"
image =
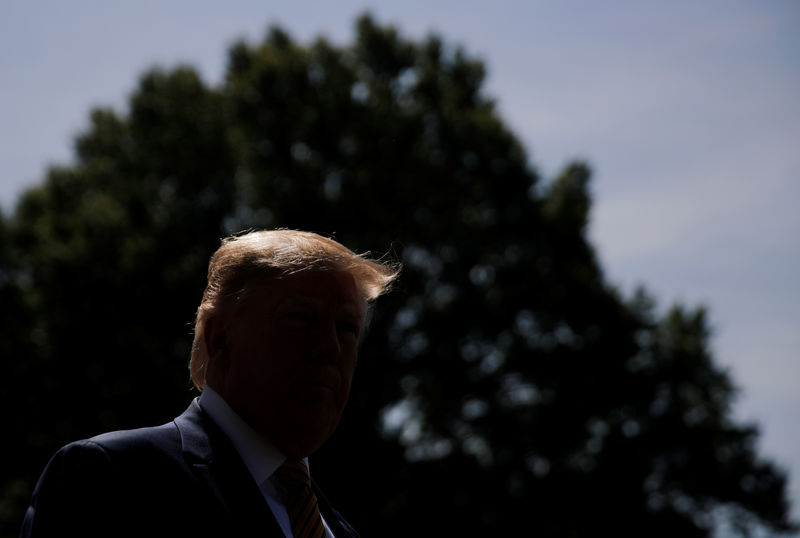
{"points": [[292, 350]]}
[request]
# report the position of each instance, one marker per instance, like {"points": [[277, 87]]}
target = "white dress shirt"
{"points": [[259, 456]]}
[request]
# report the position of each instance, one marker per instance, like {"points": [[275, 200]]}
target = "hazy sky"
{"points": [[688, 112]]}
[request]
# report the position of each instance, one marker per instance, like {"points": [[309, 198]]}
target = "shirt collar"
{"points": [[260, 457]]}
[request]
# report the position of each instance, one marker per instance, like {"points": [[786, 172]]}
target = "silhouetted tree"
{"points": [[504, 384]]}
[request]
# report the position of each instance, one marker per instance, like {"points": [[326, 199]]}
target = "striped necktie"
{"points": [[301, 503]]}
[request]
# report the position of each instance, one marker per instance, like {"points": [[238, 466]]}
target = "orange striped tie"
{"points": [[301, 503]]}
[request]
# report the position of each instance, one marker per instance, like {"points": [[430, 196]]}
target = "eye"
{"points": [[297, 317], [348, 328]]}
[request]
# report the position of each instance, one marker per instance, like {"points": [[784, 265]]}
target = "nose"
{"points": [[327, 347]]}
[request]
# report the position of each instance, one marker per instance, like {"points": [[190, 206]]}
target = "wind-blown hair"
{"points": [[253, 256]]}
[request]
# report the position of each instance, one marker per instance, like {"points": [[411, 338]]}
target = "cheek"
{"points": [[347, 368], [261, 373]]}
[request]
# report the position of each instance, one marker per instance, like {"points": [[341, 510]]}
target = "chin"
{"points": [[304, 436]]}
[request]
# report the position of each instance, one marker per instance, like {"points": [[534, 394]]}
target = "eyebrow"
{"points": [[350, 308], [355, 312], [299, 300]]}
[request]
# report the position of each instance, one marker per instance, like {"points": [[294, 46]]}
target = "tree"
{"points": [[504, 383]]}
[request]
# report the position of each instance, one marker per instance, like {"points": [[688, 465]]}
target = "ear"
{"points": [[215, 337]]}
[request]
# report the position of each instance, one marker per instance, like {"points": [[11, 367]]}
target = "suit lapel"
{"points": [[217, 465], [337, 524]]}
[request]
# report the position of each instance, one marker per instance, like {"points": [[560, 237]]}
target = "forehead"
{"points": [[330, 289]]}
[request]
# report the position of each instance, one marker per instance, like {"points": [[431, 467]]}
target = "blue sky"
{"points": [[688, 113]]}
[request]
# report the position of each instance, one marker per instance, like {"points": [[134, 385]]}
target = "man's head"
{"points": [[277, 331]]}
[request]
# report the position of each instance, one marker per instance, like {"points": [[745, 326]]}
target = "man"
{"points": [[275, 348]]}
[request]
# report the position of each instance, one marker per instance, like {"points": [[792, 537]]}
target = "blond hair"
{"points": [[242, 259]]}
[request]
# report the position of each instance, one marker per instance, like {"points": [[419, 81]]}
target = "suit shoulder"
{"points": [[162, 437]]}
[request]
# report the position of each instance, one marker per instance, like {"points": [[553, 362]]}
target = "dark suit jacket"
{"points": [[181, 479]]}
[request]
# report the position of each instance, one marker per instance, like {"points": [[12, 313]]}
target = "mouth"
{"points": [[317, 385]]}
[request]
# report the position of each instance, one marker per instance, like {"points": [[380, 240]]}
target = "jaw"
{"points": [[300, 431]]}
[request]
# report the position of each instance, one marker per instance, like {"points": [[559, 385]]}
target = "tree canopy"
{"points": [[504, 384]]}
